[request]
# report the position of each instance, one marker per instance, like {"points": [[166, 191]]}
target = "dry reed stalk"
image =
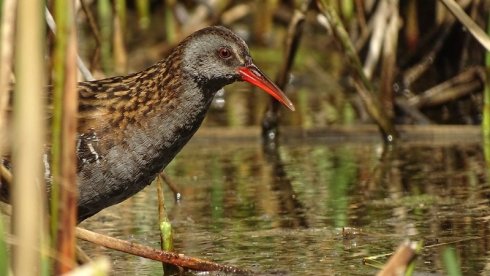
{"points": [[119, 48], [388, 67], [28, 133]]}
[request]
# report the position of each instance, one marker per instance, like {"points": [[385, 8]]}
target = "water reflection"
{"points": [[289, 205], [283, 210]]}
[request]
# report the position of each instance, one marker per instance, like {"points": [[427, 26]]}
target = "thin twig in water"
{"points": [[172, 186], [371, 258], [155, 254]]}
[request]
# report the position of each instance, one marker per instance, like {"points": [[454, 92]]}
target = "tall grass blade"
{"points": [[486, 108], [143, 8], [64, 189], [170, 22], [4, 257], [451, 262], [105, 22]]}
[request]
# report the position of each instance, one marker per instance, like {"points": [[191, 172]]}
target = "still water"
{"points": [[282, 212]]}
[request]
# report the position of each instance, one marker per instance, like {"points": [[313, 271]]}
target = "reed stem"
{"points": [[28, 134], [486, 107], [67, 167], [105, 23]]}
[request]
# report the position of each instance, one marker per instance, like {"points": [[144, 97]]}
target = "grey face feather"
{"points": [[202, 62]]}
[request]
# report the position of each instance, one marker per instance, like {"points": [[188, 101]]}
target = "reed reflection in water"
{"points": [[283, 211]]}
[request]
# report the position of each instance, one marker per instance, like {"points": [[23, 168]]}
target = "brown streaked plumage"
{"points": [[131, 127]]}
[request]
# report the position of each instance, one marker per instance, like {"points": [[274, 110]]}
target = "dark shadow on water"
{"points": [[288, 201]]}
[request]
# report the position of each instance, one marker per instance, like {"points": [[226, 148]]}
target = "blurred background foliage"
{"points": [[424, 65]]}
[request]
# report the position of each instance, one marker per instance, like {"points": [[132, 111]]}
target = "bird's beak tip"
{"points": [[253, 75]]}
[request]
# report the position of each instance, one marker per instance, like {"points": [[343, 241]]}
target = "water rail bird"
{"points": [[130, 127]]}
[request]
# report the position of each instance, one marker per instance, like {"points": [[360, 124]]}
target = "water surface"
{"points": [[284, 211]]}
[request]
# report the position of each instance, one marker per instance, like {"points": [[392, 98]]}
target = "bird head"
{"points": [[216, 56]]}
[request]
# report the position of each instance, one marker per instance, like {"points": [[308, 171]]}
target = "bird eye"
{"points": [[224, 53]]}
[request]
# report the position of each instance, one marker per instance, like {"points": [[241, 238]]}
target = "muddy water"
{"points": [[283, 211]]}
